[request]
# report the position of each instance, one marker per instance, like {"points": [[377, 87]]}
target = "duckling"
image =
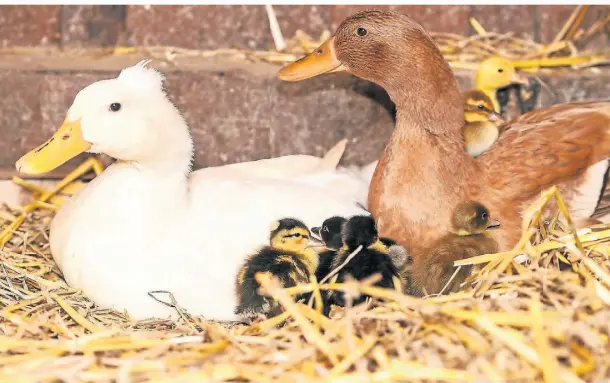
{"points": [[288, 257], [330, 235], [374, 257], [467, 238], [483, 125], [493, 74]]}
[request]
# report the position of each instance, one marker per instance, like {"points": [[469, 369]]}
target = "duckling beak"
{"points": [[316, 231], [493, 223], [314, 242], [65, 144], [322, 60], [518, 79], [496, 117]]}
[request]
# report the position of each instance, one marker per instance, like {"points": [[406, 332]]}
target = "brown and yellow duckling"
{"points": [[468, 238], [482, 125], [373, 258], [288, 257]]}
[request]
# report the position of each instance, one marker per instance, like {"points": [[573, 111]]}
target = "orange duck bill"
{"points": [[322, 60]]}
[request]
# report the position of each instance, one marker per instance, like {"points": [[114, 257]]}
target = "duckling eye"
{"points": [[484, 215], [361, 32], [500, 70], [297, 235], [326, 229], [115, 107], [481, 107]]}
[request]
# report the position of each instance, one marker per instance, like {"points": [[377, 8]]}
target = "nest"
{"points": [[540, 312]]}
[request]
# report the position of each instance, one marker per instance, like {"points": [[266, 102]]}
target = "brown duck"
{"points": [[424, 170]]}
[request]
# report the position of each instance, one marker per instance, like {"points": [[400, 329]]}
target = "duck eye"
{"points": [[500, 70], [115, 107], [361, 32]]}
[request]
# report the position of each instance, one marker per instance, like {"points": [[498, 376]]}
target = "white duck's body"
{"points": [[145, 224]]}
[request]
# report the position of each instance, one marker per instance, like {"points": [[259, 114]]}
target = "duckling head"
{"points": [[289, 234], [470, 218], [359, 230], [128, 117], [478, 107], [496, 73], [330, 232]]}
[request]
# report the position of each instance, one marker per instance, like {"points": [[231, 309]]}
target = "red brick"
{"points": [[29, 25], [243, 113], [310, 117], [92, 25], [311, 19], [20, 119], [434, 18], [200, 26], [553, 17], [228, 114], [518, 19]]}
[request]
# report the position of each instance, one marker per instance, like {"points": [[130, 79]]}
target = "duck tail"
{"points": [[333, 156]]}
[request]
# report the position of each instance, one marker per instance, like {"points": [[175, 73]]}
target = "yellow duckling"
{"points": [[495, 73], [483, 125], [468, 238], [287, 257]]}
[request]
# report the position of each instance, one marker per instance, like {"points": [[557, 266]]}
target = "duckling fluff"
{"points": [[147, 223], [287, 258], [483, 126], [468, 238], [373, 258], [330, 234]]}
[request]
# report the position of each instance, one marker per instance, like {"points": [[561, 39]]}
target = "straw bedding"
{"points": [[538, 313]]}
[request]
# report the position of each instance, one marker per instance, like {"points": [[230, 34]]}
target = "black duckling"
{"points": [[330, 235], [468, 238], [373, 258], [288, 257]]}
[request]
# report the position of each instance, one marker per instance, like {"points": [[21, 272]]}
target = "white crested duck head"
{"points": [[128, 117]]}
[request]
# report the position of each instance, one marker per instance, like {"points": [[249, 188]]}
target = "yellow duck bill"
{"points": [[322, 60], [65, 144]]}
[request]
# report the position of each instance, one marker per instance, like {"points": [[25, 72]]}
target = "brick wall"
{"points": [[236, 111], [246, 26]]}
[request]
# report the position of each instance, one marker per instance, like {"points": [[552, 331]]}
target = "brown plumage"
{"points": [[467, 238], [424, 171]]}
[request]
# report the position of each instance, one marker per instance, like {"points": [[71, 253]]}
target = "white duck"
{"points": [[146, 223]]}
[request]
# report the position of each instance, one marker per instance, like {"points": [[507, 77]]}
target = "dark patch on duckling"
{"points": [[373, 258], [287, 257], [468, 238], [330, 235]]}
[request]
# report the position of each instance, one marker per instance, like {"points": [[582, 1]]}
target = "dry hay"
{"points": [[515, 321]]}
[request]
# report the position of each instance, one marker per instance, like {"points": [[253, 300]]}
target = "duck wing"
{"points": [[547, 147]]}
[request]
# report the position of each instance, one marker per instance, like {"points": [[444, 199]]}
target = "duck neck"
{"points": [[173, 160], [428, 102]]}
